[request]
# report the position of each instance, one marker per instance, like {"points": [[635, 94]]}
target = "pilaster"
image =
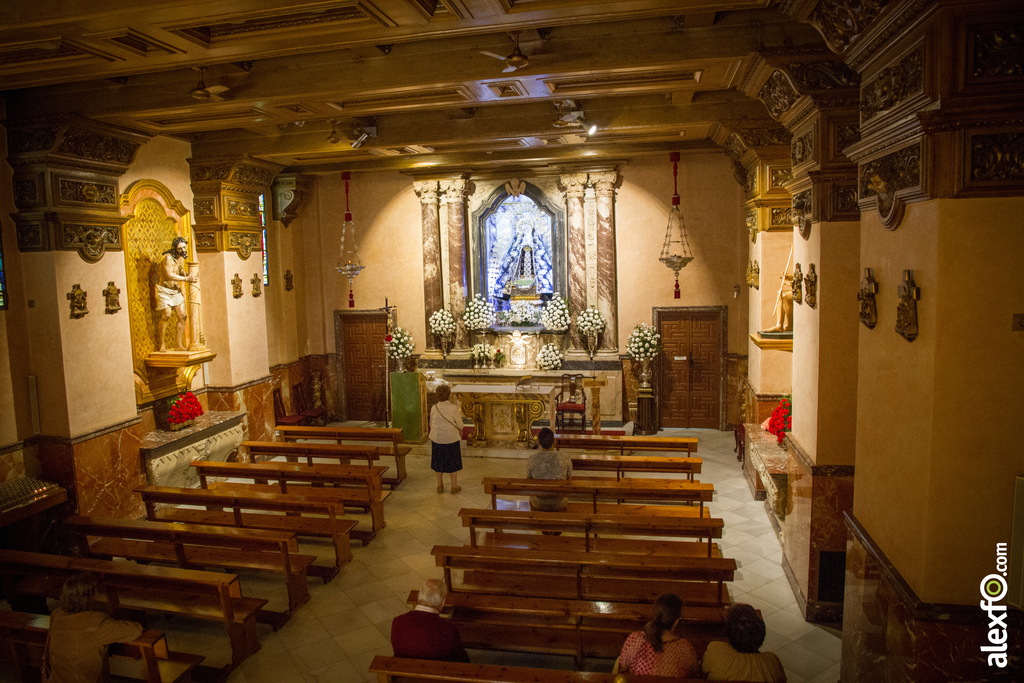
{"points": [[574, 185], [607, 283], [433, 294], [454, 198]]}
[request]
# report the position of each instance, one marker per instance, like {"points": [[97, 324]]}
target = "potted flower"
{"points": [[549, 357], [555, 316], [781, 420], [442, 325], [399, 346], [183, 411], [644, 345], [521, 314], [589, 324], [479, 314], [499, 358]]}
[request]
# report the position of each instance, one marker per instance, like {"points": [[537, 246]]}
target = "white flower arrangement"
{"points": [[590, 320], [521, 313], [549, 357], [482, 352], [442, 322], [556, 315], [401, 344], [643, 343], [479, 313]]}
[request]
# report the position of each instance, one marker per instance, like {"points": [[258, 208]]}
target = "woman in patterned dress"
{"points": [[656, 651]]}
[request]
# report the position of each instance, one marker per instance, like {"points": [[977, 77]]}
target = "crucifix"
{"points": [[389, 325]]}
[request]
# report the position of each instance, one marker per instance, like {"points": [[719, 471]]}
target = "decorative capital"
{"points": [[802, 212], [454, 189], [574, 184], [426, 190], [778, 94], [290, 190], [604, 182]]}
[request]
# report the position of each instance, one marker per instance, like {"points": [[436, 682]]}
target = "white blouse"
{"points": [[444, 417]]}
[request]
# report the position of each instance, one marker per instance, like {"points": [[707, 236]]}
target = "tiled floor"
{"points": [[347, 621]]}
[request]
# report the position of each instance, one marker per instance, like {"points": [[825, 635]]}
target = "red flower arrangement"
{"points": [[781, 420], [184, 408]]}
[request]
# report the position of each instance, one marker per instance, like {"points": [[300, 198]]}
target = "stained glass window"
{"points": [[518, 238], [263, 223]]}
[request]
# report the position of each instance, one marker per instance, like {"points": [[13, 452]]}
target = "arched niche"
{"points": [[483, 261], [155, 218]]}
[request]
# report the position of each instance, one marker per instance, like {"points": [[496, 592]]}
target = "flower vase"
{"points": [[645, 373], [175, 426], [476, 363], [591, 343], [446, 342]]}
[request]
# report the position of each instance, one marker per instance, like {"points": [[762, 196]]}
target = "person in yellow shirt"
{"points": [[739, 659]]}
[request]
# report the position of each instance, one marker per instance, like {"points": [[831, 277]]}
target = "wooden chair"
{"points": [[571, 403], [281, 417], [314, 416], [741, 440]]}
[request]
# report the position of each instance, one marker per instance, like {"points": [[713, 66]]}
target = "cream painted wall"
{"points": [[806, 337], [163, 159], [315, 329], [96, 349], [711, 202], [769, 372], [46, 354], [10, 372], [896, 387], [281, 305], [235, 328]]}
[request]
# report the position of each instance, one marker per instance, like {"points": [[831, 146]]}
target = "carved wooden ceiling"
{"points": [[652, 75]]}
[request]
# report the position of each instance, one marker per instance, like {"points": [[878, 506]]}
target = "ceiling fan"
{"points": [[211, 94], [516, 60]]}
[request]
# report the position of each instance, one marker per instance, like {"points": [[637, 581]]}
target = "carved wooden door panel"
{"points": [[362, 363], [690, 373]]}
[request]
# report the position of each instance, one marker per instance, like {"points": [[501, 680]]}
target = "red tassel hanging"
{"points": [[676, 294]]}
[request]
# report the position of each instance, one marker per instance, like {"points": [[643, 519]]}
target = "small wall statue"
{"points": [[236, 286], [289, 283], [77, 298], [784, 302], [256, 281], [811, 285], [112, 298], [906, 311], [798, 285], [169, 298], [866, 297]]}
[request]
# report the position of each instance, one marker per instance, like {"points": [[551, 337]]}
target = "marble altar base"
{"points": [[503, 415]]}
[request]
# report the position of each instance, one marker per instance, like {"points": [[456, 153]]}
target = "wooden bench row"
{"points": [[603, 488], [29, 578], [398, 670], [145, 658], [342, 454], [620, 464], [624, 444], [390, 437]]}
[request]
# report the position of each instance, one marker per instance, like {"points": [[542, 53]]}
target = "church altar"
{"points": [[503, 414]]}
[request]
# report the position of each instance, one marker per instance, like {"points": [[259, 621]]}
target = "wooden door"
{"points": [[362, 363], [690, 369]]}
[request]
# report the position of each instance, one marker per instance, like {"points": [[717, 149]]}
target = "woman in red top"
{"points": [[656, 651]]}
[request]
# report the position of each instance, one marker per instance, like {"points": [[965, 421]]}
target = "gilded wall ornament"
{"points": [[98, 147], [77, 298], [798, 285], [801, 210], [288, 281], [206, 240], [765, 137], [778, 94], [111, 296], [780, 175], [892, 85], [22, 141], [753, 274], [244, 243], [30, 236], [811, 285], [802, 148], [236, 286], [515, 187], [782, 216], [846, 136], [246, 174], [997, 157], [203, 207], [884, 177], [204, 172], [841, 21], [752, 225], [822, 75], [846, 199], [243, 209], [866, 297], [91, 241], [750, 186], [757, 275], [257, 284], [85, 192], [906, 311], [999, 52], [734, 148], [26, 191]]}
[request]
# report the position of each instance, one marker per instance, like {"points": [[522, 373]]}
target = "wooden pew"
{"points": [[309, 451], [193, 546], [303, 517], [351, 485], [399, 670], [26, 635], [581, 628], [636, 463], [585, 576], [392, 436], [624, 444], [129, 586], [595, 527], [595, 489]]}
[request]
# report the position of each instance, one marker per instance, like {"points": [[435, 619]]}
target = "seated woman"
{"points": [[76, 645], [656, 651], [739, 659]]}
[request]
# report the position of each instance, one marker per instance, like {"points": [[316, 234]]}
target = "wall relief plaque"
{"points": [[236, 286], [866, 297], [798, 285], [77, 297], [811, 286], [906, 310]]}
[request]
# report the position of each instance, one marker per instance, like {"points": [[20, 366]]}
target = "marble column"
{"points": [[575, 186], [455, 197], [604, 185], [433, 296]]}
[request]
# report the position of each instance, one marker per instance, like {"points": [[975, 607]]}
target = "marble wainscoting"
{"points": [[100, 470], [759, 407], [813, 534], [12, 462], [255, 399], [889, 634], [735, 398]]}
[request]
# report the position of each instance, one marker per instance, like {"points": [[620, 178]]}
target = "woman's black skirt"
{"points": [[445, 457]]}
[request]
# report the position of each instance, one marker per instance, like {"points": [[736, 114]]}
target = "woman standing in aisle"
{"points": [[445, 435]]}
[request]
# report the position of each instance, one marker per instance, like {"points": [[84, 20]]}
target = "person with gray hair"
{"points": [[76, 643], [423, 633]]}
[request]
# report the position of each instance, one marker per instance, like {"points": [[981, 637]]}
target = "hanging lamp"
{"points": [[675, 253], [349, 263]]}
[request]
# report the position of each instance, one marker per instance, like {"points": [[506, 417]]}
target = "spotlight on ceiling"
{"points": [[364, 134], [592, 129]]}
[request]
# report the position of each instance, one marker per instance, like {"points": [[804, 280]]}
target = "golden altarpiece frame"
{"points": [[155, 218]]}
